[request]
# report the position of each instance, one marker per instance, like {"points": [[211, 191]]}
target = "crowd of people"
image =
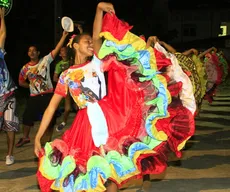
{"points": [[128, 123]]}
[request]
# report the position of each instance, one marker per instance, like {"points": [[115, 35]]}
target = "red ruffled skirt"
{"points": [[124, 109]]}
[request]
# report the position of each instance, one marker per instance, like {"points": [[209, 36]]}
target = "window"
{"points": [[189, 30], [175, 17], [224, 16]]}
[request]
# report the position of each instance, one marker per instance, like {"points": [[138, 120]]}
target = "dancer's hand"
{"points": [[161, 43], [152, 40], [37, 147], [195, 52], [65, 33], [106, 7], [214, 49]]}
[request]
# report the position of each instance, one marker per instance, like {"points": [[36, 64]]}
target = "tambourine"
{"points": [[7, 4]]}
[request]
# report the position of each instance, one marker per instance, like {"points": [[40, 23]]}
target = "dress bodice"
{"points": [[85, 82]]}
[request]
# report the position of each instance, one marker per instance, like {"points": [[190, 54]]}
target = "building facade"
{"points": [[199, 22]]}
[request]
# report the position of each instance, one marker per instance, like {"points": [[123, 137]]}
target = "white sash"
{"points": [[98, 123]]}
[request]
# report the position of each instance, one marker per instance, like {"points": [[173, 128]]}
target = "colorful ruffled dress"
{"points": [[201, 72], [219, 68], [224, 64], [214, 75], [123, 134], [211, 71], [190, 69], [182, 109]]}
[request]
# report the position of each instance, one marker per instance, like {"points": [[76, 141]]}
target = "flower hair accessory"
{"points": [[71, 41]]}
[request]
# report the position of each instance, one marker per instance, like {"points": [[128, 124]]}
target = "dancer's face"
{"points": [[33, 53], [63, 52], [84, 46]]}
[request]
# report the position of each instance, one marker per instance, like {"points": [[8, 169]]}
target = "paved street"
{"points": [[205, 166]]}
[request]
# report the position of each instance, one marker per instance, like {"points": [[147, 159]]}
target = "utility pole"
{"points": [[57, 20]]}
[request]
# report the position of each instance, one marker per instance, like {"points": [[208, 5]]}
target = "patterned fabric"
{"points": [[176, 73], [86, 84], [6, 83], [201, 72], [189, 68], [61, 66], [38, 76], [8, 119], [211, 70]]}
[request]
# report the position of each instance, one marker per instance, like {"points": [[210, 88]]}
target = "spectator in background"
{"points": [[60, 67], [37, 72]]}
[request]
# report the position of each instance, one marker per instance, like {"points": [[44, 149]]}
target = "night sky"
{"points": [[32, 22]]}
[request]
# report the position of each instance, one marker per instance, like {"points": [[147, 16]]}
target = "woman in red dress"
{"points": [[115, 135]]}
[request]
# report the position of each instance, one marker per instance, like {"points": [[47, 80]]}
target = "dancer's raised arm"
{"points": [[151, 41], [169, 48], [97, 25], [2, 28], [60, 44], [207, 51], [190, 51]]}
